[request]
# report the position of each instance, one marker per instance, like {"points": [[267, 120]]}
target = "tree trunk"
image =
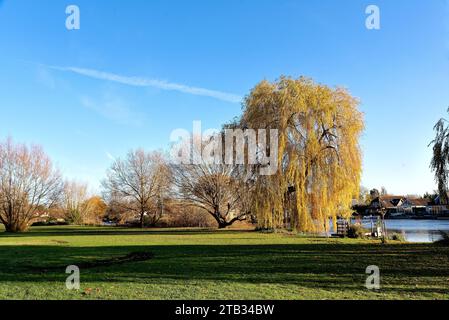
{"points": [[142, 222], [16, 227], [223, 225]]}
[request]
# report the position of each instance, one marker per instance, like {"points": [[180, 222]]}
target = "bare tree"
{"points": [[75, 202], [138, 183], [29, 185], [219, 189]]}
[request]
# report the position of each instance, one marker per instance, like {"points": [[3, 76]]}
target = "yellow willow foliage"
{"points": [[320, 159]]}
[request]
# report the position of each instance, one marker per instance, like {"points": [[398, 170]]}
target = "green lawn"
{"points": [[202, 264]]}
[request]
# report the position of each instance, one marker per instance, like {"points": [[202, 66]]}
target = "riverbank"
{"points": [[416, 230], [210, 264]]}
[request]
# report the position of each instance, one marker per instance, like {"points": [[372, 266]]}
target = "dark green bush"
{"points": [[50, 222], [356, 231], [445, 238], [397, 237]]}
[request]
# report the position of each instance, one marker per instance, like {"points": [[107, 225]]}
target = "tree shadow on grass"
{"points": [[324, 266], [113, 231]]}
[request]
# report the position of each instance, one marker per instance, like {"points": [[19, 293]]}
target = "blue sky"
{"points": [[138, 69]]}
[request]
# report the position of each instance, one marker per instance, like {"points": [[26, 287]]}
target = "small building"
{"points": [[395, 206], [387, 206], [417, 206], [403, 206], [437, 209]]}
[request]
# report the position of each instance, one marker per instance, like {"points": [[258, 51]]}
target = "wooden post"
{"points": [[384, 226]]}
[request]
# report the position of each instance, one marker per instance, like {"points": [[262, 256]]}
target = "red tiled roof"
{"points": [[418, 202]]}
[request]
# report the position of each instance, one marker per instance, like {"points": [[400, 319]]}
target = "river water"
{"points": [[416, 230]]}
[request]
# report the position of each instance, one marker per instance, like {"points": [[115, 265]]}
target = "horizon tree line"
{"points": [[318, 157]]}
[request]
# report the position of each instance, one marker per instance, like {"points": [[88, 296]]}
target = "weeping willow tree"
{"points": [[319, 154], [440, 159]]}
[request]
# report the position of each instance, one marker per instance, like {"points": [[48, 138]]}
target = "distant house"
{"points": [[386, 205], [403, 206], [437, 200], [417, 206], [393, 206], [435, 208]]}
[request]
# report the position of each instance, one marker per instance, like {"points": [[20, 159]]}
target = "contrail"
{"points": [[154, 83]]}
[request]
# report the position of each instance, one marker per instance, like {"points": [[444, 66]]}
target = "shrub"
{"points": [[397, 237], [265, 230], [188, 217], [50, 222], [445, 238], [356, 231]]}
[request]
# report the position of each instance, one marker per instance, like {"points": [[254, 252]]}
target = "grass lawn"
{"points": [[202, 264]]}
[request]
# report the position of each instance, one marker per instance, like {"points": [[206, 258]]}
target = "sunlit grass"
{"points": [[209, 264]]}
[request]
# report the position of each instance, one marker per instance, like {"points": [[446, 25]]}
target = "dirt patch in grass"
{"points": [[132, 257], [60, 241]]}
